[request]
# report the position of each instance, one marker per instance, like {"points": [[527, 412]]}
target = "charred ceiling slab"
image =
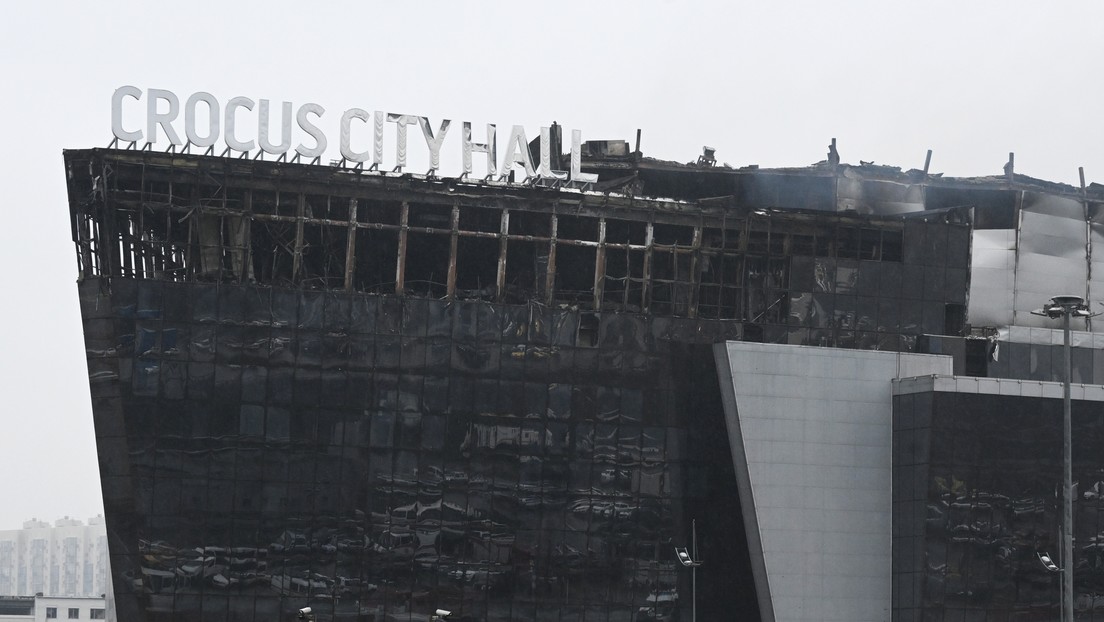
{"points": [[167, 216]]}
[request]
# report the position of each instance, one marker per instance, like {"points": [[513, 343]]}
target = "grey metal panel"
{"points": [[992, 277], [1052, 259], [811, 437], [1096, 269]]}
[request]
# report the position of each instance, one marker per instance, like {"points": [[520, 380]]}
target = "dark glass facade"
{"points": [[384, 456], [380, 396], [976, 491]]}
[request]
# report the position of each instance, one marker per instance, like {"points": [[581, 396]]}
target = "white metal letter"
{"points": [[546, 156], [577, 160], [346, 140], [490, 148], [312, 130], [401, 121], [232, 140], [517, 152], [434, 144], [377, 139], [164, 119], [117, 113], [285, 129], [212, 119]]}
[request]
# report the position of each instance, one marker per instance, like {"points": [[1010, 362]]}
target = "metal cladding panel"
{"points": [[1052, 259], [1096, 256], [992, 278], [811, 440], [877, 197]]}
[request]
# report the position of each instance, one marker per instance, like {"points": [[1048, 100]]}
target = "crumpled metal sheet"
{"points": [[1052, 260]]}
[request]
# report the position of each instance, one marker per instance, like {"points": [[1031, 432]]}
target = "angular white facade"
{"points": [[811, 437]]}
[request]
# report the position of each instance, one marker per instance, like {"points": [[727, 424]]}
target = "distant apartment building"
{"points": [[66, 559]]}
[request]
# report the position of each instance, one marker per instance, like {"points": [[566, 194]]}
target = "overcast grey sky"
{"points": [[766, 83]]}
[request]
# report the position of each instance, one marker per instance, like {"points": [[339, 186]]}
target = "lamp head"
{"points": [[1064, 304]]}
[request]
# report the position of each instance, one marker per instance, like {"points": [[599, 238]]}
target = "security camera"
{"points": [[305, 614], [444, 613]]}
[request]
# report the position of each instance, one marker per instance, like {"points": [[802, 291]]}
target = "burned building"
{"points": [[379, 394]]}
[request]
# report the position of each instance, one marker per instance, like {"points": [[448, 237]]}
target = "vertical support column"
{"points": [[350, 246], [649, 243], [297, 258], [504, 232], [123, 242], [550, 272], [1067, 476], [628, 278], [143, 260], [245, 265], [692, 278], [454, 238], [400, 263], [600, 265]]}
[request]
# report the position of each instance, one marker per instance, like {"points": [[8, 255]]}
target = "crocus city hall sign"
{"points": [[163, 112]]}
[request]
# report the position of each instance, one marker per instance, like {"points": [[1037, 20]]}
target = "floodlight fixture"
{"points": [[1048, 563]]}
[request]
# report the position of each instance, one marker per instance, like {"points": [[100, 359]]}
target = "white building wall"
{"points": [[83, 607], [810, 430], [68, 558]]}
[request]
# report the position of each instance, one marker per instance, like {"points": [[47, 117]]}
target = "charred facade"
{"points": [[382, 394]]}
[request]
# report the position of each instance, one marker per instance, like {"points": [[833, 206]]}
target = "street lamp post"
{"points": [[691, 561], [1065, 307]]}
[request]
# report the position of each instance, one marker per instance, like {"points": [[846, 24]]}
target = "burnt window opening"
{"points": [[151, 245], [221, 245], [574, 274], [526, 223], [577, 228], [870, 244], [865, 243], [671, 289], [273, 249], [322, 264], [482, 220], [825, 245], [801, 244], [476, 267], [720, 294], [379, 212], [376, 261], [526, 270], [848, 243], [765, 280], [426, 264], [588, 330], [283, 204], [623, 283], [626, 232], [265, 202], [323, 207], [673, 235], [758, 242], [891, 246]]}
